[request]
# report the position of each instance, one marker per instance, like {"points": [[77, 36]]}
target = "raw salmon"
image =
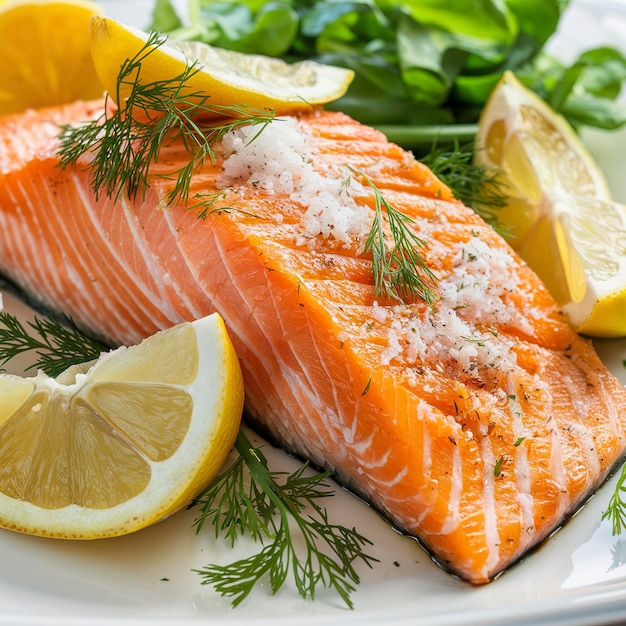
{"points": [[476, 424]]}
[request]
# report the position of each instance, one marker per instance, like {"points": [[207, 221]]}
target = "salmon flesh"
{"points": [[477, 423]]}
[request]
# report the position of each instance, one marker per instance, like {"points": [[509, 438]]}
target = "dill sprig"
{"points": [[399, 271], [477, 186], [125, 141], [273, 514], [207, 204], [616, 509], [56, 346]]}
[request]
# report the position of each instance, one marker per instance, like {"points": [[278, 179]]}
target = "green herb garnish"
{"points": [[477, 186], [247, 499], [56, 346], [498, 466], [125, 142], [616, 510], [399, 271]]}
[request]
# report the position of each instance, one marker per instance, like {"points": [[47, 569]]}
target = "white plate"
{"points": [[577, 578]]}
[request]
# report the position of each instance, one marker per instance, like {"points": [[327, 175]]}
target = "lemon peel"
{"points": [[229, 78]]}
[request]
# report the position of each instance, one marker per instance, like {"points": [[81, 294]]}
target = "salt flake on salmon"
{"points": [[476, 423]]}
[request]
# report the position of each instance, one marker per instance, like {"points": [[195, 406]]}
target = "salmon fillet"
{"points": [[476, 424]]}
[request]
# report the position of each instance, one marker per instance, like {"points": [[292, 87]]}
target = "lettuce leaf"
{"points": [[417, 62]]}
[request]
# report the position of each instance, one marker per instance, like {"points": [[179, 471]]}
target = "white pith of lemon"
{"points": [[560, 216], [109, 448], [45, 53], [229, 78]]}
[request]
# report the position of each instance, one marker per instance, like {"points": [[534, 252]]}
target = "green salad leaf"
{"points": [[418, 63]]}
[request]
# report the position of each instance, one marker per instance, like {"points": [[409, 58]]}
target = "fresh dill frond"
{"points": [[616, 509], [399, 271], [290, 523], [207, 204], [477, 186], [124, 142], [55, 346]]}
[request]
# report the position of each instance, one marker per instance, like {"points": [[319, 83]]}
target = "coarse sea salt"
{"points": [[449, 333], [280, 160]]}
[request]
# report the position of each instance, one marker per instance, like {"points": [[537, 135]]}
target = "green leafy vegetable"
{"points": [[275, 514], [586, 92], [165, 17], [422, 63]]}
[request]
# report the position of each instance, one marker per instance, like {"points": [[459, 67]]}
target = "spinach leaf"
{"points": [[417, 62]]}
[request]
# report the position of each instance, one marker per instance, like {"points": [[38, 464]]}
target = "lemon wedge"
{"points": [[111, 447], [560, 216], [45, 53], [229, 78]]}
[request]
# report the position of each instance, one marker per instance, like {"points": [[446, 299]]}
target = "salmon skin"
{"points": [[476, 424]]}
